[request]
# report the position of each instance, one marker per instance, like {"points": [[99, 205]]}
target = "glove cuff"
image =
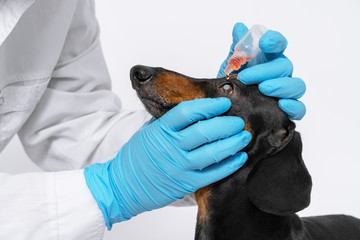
{"points": [[99, 183]]}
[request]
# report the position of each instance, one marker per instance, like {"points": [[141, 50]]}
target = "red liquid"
{"points": [[235, 62]]}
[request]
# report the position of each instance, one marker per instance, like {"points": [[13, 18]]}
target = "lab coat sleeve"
{"points": [[79, 120], [46, 206]]}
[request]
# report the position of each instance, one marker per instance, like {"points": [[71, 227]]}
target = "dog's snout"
{"points": [[141, 73]]}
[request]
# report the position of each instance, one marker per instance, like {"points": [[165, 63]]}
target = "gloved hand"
{"points": [[168, 159], [273, 72]]}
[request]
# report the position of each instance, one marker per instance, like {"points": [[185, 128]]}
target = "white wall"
{"points": [[193, 37]]}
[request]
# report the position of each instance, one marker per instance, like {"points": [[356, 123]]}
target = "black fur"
{"points": [[259, 201]]}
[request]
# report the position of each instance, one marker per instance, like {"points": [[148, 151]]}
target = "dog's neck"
{"points": [[232, 215], [239, 219]]}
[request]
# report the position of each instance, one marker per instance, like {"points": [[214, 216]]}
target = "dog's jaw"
{"points": [[156, 108]]}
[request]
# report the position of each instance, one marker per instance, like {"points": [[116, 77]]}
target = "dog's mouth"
{"points": [[155, 107], [160, 90]]}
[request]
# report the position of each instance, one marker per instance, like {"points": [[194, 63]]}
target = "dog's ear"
{"points": [[281, 184]]}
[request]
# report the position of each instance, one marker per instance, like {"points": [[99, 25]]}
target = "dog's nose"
{"points": [[141, 73]]}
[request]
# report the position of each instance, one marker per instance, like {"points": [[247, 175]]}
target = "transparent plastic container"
{"points": [[246, 49]]}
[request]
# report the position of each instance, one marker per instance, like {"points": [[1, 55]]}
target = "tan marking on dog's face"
{"points": [[173, 88], [201, 196], [248, 128]]}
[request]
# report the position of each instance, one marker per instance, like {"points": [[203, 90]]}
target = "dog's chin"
{"points": [[156, 107]]}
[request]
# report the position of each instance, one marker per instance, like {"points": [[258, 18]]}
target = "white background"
{"points": [[193, 37]]}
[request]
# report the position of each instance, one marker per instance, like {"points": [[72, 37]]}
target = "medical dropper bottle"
{"points": [[246, 49]]}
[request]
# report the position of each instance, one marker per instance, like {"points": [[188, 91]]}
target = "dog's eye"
{"points": [[227, 88]]}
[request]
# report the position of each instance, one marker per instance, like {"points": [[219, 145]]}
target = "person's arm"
{"points": [[79, 120], [42, 206], [46, 205]]}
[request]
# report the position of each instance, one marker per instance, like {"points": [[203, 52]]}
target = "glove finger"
{"points": [[217, 151], [188, 112], [238, 32], [280, 67], [294, 109], [273, 42], [208, 131], [220, 170], [284, 87]]}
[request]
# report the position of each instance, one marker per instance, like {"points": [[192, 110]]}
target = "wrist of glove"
{"points": [[272, 71], [186, 149]]}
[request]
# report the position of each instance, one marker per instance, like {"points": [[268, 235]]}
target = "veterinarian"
{"points": [[55, 94]]}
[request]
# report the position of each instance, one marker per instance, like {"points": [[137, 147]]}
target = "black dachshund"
{"points": [[260, 200]]}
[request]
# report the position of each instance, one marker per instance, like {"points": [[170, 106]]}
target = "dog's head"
{"points": [[276, 177]]}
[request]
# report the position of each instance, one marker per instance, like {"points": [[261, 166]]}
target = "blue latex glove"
{"points": [[168, 159], [273, 72]]}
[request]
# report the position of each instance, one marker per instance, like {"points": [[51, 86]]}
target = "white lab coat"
{"points": [[55, 92]]}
